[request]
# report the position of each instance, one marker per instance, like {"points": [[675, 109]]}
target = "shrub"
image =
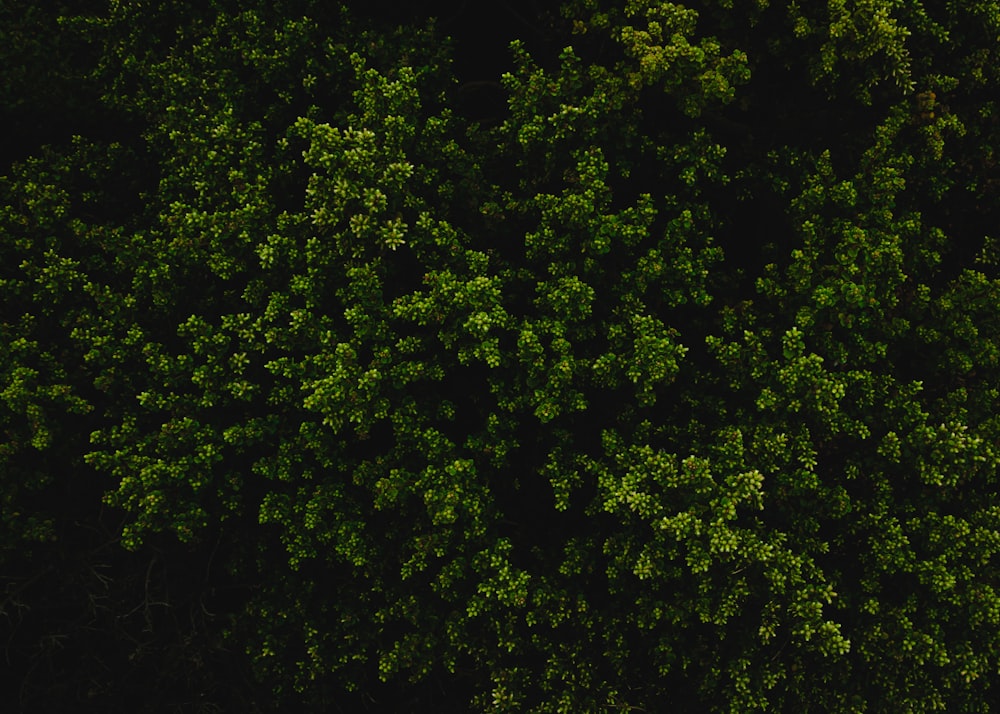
{"points": [[673, 384]]}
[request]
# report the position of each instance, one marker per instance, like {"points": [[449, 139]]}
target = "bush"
{"points": [[672, 381]]}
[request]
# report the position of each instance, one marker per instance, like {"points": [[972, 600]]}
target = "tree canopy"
{"points": [[615, 357]]}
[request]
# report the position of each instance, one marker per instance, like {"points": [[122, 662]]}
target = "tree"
{"points": [[672, 380]]}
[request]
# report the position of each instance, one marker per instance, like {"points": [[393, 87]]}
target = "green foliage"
{"points": [[676, 383]]}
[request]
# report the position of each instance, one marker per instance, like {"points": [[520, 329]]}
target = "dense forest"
{"points": [[510, 357]]}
